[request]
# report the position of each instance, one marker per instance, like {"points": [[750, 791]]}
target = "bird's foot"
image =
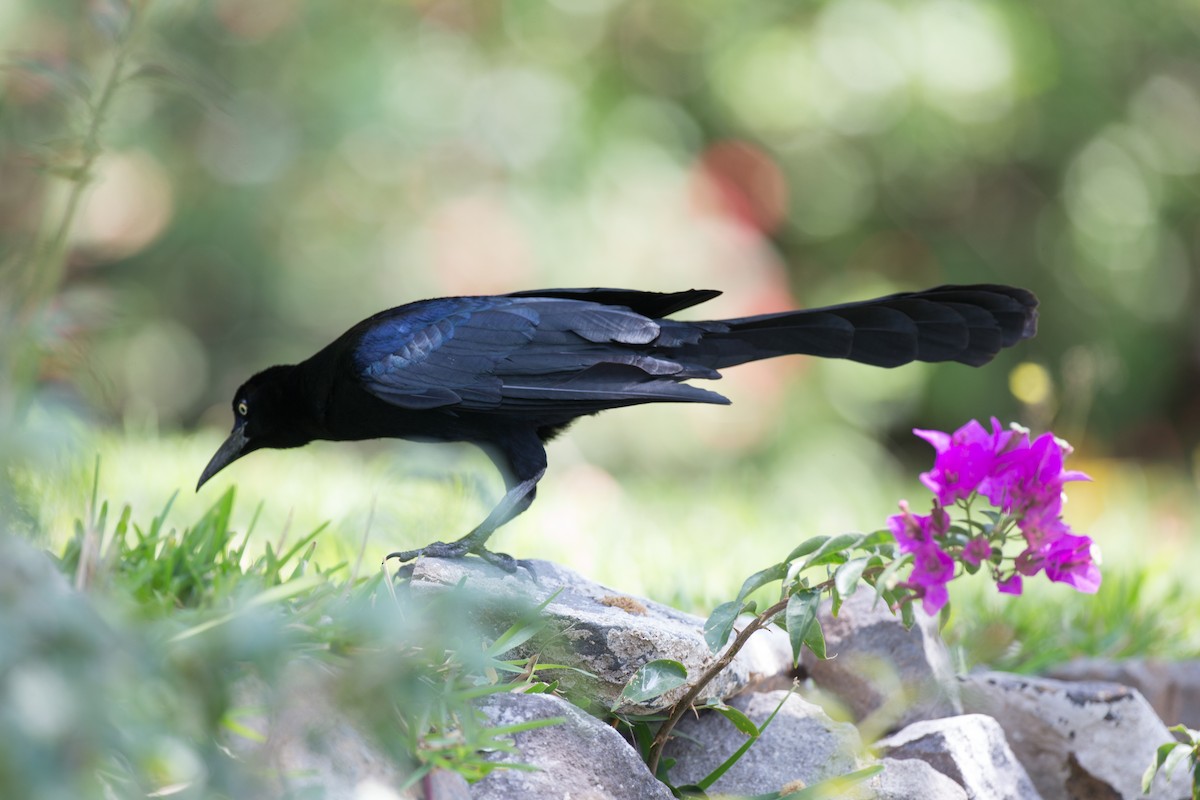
{"points": [[461, 549]]}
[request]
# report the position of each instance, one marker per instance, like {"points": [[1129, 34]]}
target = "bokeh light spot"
{"points": [[1031, 383], [834, 187], [127, 208], [1167, 111], [520, 114], [478, 246], [859, 44], [166, 370], [860, 47], [747, 183], [765, 81], [1108, 194], [964, 59]]}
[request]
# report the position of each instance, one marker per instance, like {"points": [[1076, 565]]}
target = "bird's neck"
{"points": [[298, 398]]}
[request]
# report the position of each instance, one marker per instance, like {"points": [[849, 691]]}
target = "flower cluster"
{"points": [[1024, 481]]}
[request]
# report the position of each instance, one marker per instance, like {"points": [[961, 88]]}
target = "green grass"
{"points": [[679, 532], [138, 683], [685, 538], [1137, 613]]}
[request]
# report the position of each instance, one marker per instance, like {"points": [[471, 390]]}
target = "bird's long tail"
{"points": [[968, 324]]}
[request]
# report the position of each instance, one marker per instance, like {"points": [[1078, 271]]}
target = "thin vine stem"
{"points": [[706, 677], [712, 670], [49, 262]]}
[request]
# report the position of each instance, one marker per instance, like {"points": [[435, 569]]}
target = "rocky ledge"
{"points": [[886, 696]]}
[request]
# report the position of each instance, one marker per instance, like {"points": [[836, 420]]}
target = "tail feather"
{"points": [[967, 324]]}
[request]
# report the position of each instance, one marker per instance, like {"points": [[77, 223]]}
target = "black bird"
{"points": [[509, 372]]}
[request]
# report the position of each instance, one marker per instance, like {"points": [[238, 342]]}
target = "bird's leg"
{"points": [[515, 500]]}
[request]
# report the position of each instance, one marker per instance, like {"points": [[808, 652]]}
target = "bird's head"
{"points": [[265, 411]]}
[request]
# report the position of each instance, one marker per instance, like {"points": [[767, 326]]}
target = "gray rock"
{"points": [[801, 743], [884, 676], [1171, 687], [970, 750], [1077, 740], [440, 784], [910, 779], [576, 759], [312, 747], [767, 658], [605, 632]]}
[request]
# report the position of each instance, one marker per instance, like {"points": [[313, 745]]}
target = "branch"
{"points": [[706, 677]]}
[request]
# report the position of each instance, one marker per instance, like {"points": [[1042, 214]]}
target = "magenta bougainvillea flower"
{"points": [[977, 551], [932, 567], [1068, 559], [1024, 481]]}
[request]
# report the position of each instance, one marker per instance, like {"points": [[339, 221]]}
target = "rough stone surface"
{"points": [[767, 658], [438, 785], [802, 742], [911, 779], [600, 630], [1078, 740], [312, 747], [970, 750], [1171, 687], [579, 759], [884, 676]]}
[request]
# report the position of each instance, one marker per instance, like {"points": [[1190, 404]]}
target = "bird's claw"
{"points": [[434, 550], [461, 549]]}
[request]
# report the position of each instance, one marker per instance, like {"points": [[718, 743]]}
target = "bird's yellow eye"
{"points": [[243, 409]]}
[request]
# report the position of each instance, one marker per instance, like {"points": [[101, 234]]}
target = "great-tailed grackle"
{"points": [[509, 372]]}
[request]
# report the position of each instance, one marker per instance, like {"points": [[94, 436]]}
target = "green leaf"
{"points": [[776, 572], [232, 723], [815, 640], [847, 575], [1164, 752], [522, 630], [887, 579], [275, 594], [521, 727], [719, 624], [806, 547], [832, 549], [908, 616], [800, 616], [712, 777], [739, 720], [653, 680], [296, 548], [878, 538], [1186, 732], [172, 71], [1181, 752]]}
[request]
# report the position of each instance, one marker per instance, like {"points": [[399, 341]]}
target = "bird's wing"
{"points": [[648, 304], [520, 353]]}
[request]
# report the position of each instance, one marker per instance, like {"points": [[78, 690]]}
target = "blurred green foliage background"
{"points": [[191, 190], [269, 172]]}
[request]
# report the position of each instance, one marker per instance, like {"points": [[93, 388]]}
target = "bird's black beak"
{"points": [[233, 449]]}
